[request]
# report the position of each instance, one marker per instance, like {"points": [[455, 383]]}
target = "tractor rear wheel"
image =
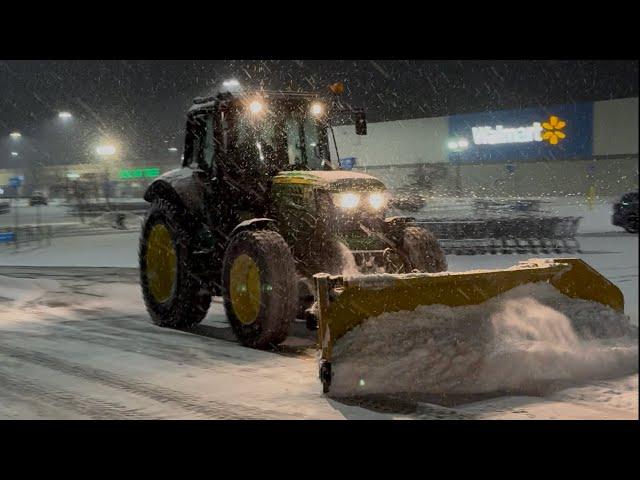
{"points": [[422, 250], [259, 287], [173, 295]]}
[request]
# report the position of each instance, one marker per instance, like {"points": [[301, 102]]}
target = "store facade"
{"points": [[557, 150]]}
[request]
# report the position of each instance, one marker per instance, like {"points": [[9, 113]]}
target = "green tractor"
{"points": [[257, 208]]}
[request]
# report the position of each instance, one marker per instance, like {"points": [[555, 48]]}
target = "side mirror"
{"points": [[361, 122]]}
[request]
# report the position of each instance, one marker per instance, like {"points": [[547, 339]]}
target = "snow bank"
{"points": [[530, 335]]}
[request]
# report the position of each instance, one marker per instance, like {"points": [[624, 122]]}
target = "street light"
{"points": [[15, 135], [64, 115], [14, 154], [105, 150], [458, 144]]}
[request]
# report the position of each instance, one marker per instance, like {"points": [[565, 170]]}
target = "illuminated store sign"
{"points": [[139, 173], [531, 134], [500, 134], [550, 131]]}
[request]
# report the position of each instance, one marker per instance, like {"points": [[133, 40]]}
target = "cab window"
{"points": [[200, 144]]}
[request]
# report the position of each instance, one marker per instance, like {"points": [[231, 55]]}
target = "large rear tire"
{"points": [[259, 287], [423, 251], [173, 295]]}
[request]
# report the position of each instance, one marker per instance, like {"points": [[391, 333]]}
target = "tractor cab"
{"points": [[259, 133]]}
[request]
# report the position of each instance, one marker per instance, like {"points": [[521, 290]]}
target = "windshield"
{"points": [[281, 139]]}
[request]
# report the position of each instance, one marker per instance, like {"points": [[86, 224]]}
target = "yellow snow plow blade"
{"points": [[345, 302]]}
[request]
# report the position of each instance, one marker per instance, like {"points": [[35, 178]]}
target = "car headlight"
{"points": [[377, 200], [346, 200]]}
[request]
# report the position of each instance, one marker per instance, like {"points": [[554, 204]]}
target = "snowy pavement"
{"points": [[75, 343]]}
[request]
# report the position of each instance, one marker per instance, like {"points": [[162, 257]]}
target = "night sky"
{"points": [[142, 104]]}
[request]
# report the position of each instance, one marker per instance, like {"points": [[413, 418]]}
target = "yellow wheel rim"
{"points": [[244, 285], [161, 263]]}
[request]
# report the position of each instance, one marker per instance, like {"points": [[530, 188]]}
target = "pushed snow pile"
{"points": [[511, 343]]}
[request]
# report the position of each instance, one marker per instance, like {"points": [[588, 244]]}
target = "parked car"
{"points": [[38, 198], [625, 212]]}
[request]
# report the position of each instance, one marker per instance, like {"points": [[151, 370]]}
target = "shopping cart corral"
{"points": [[505, 235]]}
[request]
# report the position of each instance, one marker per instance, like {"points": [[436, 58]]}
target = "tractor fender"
{"points": [[180, 188], [255, 224]]}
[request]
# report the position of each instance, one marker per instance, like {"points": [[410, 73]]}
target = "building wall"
{"points": [[402, 142], [393, 150], [615, 127]]}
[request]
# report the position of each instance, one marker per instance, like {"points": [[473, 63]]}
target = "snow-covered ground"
{"points": [[75, 342]]}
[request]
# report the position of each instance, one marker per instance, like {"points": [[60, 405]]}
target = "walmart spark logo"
{"points": [[553, 130]]}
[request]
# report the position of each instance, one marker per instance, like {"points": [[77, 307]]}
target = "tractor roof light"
{"points": [[231, 86], [256, 107], [317, 109]]}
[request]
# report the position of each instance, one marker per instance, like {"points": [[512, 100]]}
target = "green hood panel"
{"points": [[335, 180]]}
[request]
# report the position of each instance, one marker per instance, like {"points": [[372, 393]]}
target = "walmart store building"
{"points": [[545, 151]]}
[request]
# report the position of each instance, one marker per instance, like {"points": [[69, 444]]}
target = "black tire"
{"points": [[422, 250], [632, 225], [190, 298], [277, 271]]}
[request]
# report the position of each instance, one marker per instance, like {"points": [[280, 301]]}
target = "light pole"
{"points": [[106, 152], [456, 147]]}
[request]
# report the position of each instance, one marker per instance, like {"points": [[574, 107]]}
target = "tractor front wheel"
{"points": [[260, 287]]}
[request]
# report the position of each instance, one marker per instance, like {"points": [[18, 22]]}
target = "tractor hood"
{"points": [[333, 180]]}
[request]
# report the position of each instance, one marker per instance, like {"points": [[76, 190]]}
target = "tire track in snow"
{"points": [[189, 358], [164, 395], [65, 400]]}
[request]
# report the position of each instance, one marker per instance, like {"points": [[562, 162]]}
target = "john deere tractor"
{"points": [[257, 208]]}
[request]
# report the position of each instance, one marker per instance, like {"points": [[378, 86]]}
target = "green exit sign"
{"points": [[132, 173]]}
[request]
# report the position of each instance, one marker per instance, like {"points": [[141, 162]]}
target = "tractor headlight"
{"points": [[346, 200], [377, 200]]}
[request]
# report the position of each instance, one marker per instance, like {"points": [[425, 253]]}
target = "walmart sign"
{"points": [[546, 133]]}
